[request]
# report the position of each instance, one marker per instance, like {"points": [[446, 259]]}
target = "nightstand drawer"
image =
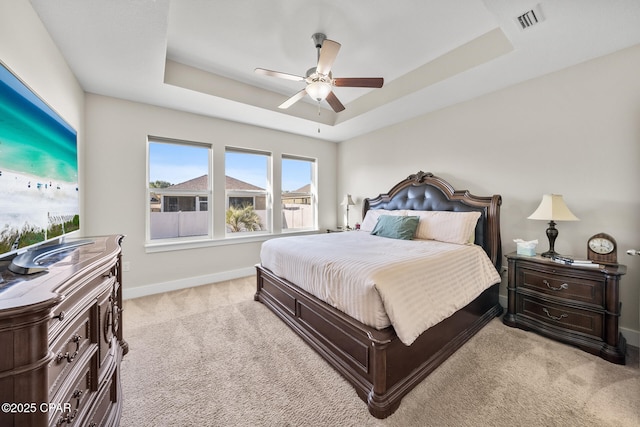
{"points": [[557, 285], [562, 316]]}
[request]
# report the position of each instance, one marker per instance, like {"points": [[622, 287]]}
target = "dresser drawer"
{"points": [[557, 285], [108, 318], [76, 301], [108, 396], [73, 402], [64, 313], [69, 349], [562, 316]]}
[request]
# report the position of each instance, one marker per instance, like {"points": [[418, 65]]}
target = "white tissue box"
{"points": [[526, 248]]}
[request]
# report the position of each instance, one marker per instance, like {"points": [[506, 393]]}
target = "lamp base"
{"points": [[552, 233]]}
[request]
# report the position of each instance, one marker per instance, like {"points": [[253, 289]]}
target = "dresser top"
{"points": [[44, 288]]}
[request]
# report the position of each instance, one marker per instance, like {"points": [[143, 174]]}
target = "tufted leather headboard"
{"points": [[426, 192]]}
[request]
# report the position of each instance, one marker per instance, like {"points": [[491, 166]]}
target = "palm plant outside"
{"points": [[243, 218]]}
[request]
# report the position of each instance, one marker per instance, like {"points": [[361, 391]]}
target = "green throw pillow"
{"points": [[396, 227]]}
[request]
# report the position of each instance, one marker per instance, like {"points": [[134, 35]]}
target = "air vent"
{"points": [[530, 18]]}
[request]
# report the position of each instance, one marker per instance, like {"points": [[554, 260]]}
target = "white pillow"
{"points": [[446, 226], [371, 218]]}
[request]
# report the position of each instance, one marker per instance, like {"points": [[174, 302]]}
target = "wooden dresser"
{"points": [[575, 305], [61, 339]]}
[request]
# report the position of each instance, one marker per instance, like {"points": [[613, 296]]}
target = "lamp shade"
{"points": [[348, 201], [318, 90], [553, 208]]}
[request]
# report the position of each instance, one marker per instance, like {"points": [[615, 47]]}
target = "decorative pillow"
{"points": [[396, 227], [371, 218], [445, 226]]}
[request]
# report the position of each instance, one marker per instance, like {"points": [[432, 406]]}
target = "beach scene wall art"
{"points": [[38, 169]]}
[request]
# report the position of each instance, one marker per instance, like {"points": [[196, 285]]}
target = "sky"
{"points": [[178, 163]]}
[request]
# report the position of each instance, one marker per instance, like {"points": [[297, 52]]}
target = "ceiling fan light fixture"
{"points": [[318, 90], [319, 79]]}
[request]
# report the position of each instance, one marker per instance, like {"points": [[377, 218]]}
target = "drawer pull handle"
{"points": [[70, 357], [563, 286], [60, 316], [562, 316], [67, 419]]}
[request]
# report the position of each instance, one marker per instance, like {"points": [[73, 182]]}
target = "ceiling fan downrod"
{"points": [[318, 39]]}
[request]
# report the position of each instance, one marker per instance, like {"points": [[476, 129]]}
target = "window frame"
{"points": [[208, 193], [267, 192], [313, 194], [217, 203]]}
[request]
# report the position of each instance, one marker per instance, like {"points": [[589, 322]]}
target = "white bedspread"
{"points": [[410, 284]]}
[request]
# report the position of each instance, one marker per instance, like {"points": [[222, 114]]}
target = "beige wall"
{"points": [[575, 132], [116, 175]]}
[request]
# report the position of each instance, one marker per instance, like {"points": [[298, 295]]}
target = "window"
{"points": [[179, 190], [298, 193], [190, 204], [248, 196]]}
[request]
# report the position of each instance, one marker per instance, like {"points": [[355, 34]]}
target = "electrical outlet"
{"points": [[126, 266]]}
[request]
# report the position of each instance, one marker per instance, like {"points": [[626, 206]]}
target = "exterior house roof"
{"points": [[195, 184], [303, 189], [200, 183], [236, 184]]}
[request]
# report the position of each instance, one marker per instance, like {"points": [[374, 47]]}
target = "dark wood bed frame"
{"points": [[380, 367]]}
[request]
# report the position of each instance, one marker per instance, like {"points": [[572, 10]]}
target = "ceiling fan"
{"points": [[320, 81]]}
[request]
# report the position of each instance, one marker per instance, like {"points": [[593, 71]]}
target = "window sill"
{"points": [[198, 243]]}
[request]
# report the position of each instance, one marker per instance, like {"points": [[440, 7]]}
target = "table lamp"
{"points": [[552, 208], [348, 201]]}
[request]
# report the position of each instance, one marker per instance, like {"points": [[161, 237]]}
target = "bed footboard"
{"points": [[379, 366]]}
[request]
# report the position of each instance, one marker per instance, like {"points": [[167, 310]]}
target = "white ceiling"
{"points": [[199, 55]]}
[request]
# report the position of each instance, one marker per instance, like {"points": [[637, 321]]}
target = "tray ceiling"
{"points": [[199, 56]]}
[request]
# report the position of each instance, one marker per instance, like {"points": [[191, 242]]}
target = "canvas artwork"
{"points": [[38, 169]]}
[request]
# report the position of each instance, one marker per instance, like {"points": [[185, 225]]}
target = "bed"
{"points": [[382, 364]]}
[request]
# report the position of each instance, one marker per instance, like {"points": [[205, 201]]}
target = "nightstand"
{"points": [[576, 305]]}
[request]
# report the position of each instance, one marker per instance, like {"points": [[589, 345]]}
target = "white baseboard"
{"points": [[188, 282], [632, 337]]}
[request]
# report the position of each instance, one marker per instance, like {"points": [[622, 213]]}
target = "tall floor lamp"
{"points": [[552, 208], [348, 201]]}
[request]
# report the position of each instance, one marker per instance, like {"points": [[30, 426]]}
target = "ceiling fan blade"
{"points": [[334, 102], [328, 54], [279, 74], [359, 81], [295, 98]]}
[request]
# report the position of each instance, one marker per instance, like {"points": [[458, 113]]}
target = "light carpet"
{"points": [[212, 356]]}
